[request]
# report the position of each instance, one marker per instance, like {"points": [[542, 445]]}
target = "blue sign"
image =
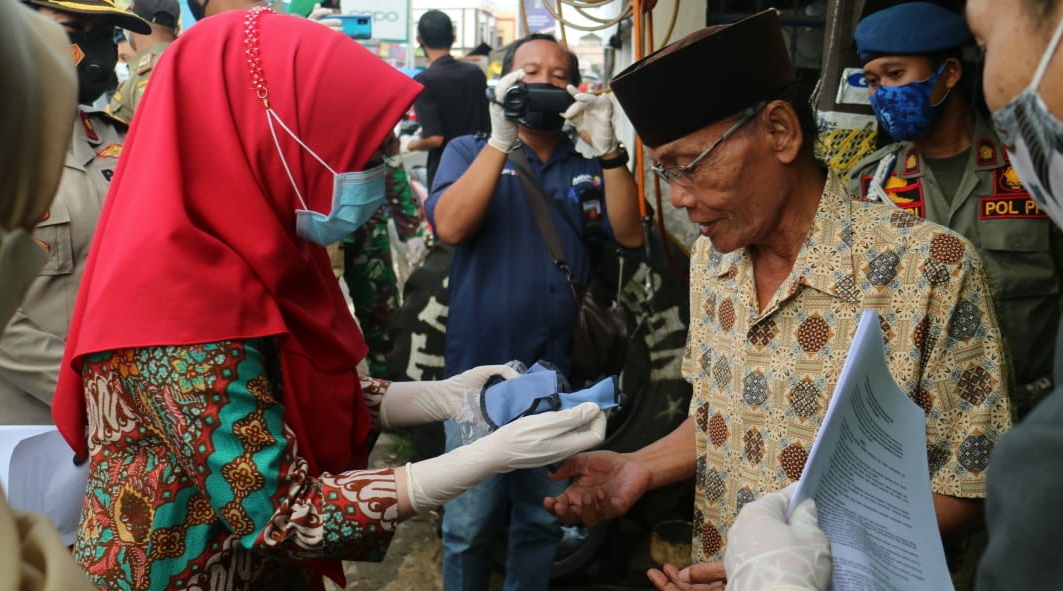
{"points": [[539, 18]]}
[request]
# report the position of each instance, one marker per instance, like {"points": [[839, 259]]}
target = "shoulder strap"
{"points": [[537, 200]]}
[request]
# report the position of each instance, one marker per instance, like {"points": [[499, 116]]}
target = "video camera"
{"points": [[522, 98]]}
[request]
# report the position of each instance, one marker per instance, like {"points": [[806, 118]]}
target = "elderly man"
{"points": [[784, 266]]}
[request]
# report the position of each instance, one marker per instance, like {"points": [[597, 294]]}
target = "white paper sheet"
{"points": [[38, 474], [868, 473]]}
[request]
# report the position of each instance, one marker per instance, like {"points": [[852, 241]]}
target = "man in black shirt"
{"points": [[454, 102]]}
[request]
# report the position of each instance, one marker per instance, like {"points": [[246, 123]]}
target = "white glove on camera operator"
{"points": [[766, 552], [592, 116], [503, 130]]}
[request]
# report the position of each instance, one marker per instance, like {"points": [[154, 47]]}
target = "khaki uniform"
{"points": [[1021, 247], [127, 97], [31, 346]]}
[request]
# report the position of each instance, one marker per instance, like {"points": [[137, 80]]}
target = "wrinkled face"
{"points": [[544, 61], [735, 198], [1014, 34]]}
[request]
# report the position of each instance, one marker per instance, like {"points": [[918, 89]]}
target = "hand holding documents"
{"points": [[868, 474]]}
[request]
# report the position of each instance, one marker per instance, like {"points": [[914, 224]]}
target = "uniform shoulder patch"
{"points": [[146, 63]]}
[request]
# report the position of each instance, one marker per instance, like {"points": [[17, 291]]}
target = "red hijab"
{"points": [[197, 243]]}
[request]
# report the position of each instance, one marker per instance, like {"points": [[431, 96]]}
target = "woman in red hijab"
{"points": [[210, 372]]}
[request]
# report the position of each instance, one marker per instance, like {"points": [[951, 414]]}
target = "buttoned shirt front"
{"points": [[763, 378]]}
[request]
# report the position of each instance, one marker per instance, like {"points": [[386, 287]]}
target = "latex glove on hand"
{"points": [[766, 552], [321, 16], [416, 403], [592, 116], [406, 139], [504, 130], [530, 442]]}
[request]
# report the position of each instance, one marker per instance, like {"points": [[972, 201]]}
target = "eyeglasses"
{"points": [[684, 175]]}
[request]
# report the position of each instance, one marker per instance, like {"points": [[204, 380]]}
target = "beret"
{"points": [[910, 28]]}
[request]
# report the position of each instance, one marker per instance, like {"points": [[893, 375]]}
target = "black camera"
{"points": [[522, 98]]}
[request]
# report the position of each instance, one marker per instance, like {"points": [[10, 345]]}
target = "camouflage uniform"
{"points": [[367, 263]]}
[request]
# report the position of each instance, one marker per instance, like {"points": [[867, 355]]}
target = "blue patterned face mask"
{"points": [[905, 111], [355, 196]]}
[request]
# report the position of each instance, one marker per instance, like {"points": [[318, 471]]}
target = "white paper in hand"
{"points": [[868, 473]]}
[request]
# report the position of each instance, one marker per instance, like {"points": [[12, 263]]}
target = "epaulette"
{"points": [[107, 116], [146, 63]]}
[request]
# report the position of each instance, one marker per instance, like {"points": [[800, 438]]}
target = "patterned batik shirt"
{"points": [[195, 481], [762, 379]]}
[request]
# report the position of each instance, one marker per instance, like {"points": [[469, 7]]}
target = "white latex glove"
{"points": [[404, 141], [416, 251], [503, 130], [592, 116], [321, 16], [528, 442], [766, 552], [417, 403]]}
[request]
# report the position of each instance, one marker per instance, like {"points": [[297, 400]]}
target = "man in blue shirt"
{"points": [[508, 299]]}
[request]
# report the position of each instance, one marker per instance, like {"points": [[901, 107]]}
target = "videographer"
{"points": [[508, 299]]}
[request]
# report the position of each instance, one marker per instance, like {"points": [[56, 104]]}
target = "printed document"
{"points": [[868, 473]]}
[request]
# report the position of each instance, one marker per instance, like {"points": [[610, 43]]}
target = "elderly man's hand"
{"points": [[708, 576], [604, 485]]}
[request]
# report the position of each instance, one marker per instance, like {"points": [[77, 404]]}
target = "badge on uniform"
{"points": [[1010, 200], [906, 194], [90, 131], [110, 151]]}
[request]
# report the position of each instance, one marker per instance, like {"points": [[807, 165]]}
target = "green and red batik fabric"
{"points": [[195, 481]]}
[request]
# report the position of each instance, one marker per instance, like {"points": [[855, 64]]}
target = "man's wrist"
{"points": [[616, 158]]}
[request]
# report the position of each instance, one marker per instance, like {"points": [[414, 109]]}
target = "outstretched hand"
{"points": [[604, 485], [707, 576]]}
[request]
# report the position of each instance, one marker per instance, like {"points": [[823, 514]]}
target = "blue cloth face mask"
{"points": [[906, 111], [356, 196], [1033, 138], [540, 390]]}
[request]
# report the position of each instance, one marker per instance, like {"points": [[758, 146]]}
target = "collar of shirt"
{"points": [[824, 263], [565, 149]]}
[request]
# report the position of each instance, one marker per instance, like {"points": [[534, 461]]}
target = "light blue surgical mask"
{"points": [[356, 196]]}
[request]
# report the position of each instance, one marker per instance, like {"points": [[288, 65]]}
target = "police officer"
{"points": [[948, 166], [162, 16], [31, 347]]}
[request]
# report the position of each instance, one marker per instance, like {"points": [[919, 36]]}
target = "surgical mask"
{"points": [[21, 258], [546, 114], [121, 70], [95, 56], [1033, 138], [356, 196], [906, 111]]}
